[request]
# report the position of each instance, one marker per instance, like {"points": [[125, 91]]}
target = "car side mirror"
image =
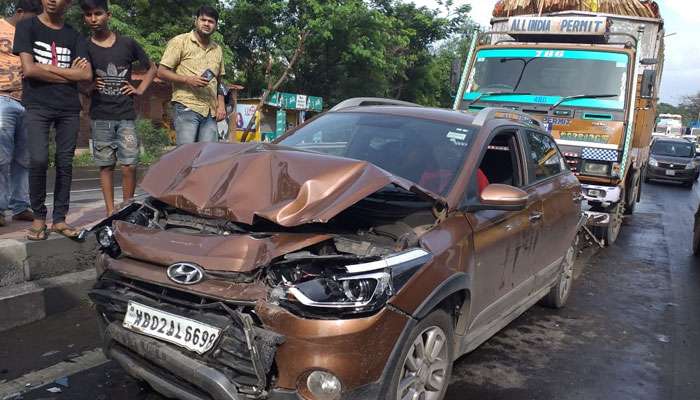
{"points": [[501, 198]]}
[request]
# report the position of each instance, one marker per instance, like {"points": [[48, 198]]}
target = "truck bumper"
{"points": [[603, 194]]}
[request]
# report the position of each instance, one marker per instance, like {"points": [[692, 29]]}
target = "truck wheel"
{"points": [[559, 293], [425, 365], [610, 233]]}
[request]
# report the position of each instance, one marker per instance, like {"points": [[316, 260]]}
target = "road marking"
{"points": [[89, 359], [85, 179]]}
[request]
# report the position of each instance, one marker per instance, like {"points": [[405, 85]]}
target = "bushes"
{"points": [[154, 140]]}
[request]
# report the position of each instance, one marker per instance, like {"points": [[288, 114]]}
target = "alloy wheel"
{"points": [[424, 371], [567, 274]]}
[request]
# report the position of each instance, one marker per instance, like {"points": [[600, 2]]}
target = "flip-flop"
{"points": [[37, 235], [68, 231]]}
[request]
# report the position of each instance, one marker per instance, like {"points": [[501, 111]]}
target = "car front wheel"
{"points": [[425, 365]]}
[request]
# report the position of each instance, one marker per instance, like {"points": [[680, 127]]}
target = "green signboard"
{"points": [[281, 126], [292, 101]]}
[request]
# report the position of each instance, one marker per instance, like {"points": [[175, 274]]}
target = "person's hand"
{"points": [[220, 113], [129, 90], [99, 83], [196, 81], [80, 62]]}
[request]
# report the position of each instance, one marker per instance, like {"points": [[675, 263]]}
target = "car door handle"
{"points": [[536, 217]]}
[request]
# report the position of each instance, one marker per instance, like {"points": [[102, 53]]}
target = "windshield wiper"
{"points": [[582, 96], [491, 94]]}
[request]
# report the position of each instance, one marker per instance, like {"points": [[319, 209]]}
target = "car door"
{"points": [[503, 242], [560, 193]]}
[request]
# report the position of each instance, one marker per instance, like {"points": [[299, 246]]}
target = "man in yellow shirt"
{"points": [[194, 64]]}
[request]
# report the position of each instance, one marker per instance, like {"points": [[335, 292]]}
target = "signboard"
{"points": [[594, 26], [244, 113], [281, 125], [292, 101]]}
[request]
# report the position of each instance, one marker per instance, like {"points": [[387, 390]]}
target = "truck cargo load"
{"points": [[635, 8]]}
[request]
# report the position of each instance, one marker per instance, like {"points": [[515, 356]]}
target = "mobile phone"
{"points": [[208, 75]]}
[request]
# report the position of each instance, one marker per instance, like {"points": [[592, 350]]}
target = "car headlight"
{"points": [[594, 168], [691, 165], [365, 288], [653, 162], [107, 242]]}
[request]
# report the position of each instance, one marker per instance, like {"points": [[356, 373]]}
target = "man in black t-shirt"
{"points": [[54, 59], [112, 111]]}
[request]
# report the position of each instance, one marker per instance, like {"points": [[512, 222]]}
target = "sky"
{"points": [[682, 67]]}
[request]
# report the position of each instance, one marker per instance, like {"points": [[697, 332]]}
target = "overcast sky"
{"points": [[682, 71]]}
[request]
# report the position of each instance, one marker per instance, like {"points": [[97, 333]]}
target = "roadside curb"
{"points": [[43, 278]]}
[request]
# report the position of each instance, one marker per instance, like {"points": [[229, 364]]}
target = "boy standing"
{"points": [[14, 154], [54, 60], [195, 64], [112, 110]]}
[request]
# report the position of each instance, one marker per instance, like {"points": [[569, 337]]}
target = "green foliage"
{"points": [[689, 108], [154, 140]]}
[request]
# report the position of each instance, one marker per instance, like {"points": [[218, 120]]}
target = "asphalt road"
{"points": [[631, 330], [86, 185]]}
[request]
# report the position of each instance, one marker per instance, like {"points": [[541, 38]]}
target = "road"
{"points": [[630, 331], [86, 185]]}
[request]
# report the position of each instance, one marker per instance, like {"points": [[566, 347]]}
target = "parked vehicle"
{"points": [[673, 159], [669, 125], [591, 78], [356, 258]]}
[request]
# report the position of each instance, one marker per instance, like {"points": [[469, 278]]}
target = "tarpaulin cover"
{"points": [[636, 8], [243, 181]]}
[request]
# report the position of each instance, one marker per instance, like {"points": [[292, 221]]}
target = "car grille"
{"points": [[672, 166], [573, 161], [251, 371]]}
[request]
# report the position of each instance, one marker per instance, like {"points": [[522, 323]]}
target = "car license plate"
{"points": [[670, 172], [184, 332]]}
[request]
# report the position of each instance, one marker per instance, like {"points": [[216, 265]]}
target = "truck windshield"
{"points": [[550, 75]]}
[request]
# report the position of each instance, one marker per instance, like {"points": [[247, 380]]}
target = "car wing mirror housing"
{"points": [[500, 198]]}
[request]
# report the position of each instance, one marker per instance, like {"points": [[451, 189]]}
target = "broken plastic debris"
{"points": [[54, 390], [50, 353], [663, 338]]}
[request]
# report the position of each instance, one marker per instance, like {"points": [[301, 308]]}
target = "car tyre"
{"points": [[425, 366], [559, 293]]}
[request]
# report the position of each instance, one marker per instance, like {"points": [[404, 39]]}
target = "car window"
{"points": [[428, 152], [673, 149], [544, 156]]}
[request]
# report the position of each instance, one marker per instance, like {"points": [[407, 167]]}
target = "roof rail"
{"points": [[371, 101], [503, 113]]}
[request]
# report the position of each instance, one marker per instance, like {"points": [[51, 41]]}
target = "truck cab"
{"points": [[592, 81]]}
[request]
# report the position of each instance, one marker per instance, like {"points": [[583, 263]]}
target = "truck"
{"points": [[592, 79], [669, 125]]}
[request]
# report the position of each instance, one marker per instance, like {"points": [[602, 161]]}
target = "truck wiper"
{"points": [[582, 96], [491, 94]]}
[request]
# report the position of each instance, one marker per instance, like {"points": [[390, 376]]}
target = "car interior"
{"points": [[500, 161]]}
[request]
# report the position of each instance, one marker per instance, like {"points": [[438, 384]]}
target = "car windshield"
{"points": [[547, 76], [673, 149], [427, 152]]}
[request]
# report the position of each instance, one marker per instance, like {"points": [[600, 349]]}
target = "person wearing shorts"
{"points": [[114, 138]]}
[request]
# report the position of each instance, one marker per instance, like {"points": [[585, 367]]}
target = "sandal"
{"points": [[36, 235], [67, 231]]}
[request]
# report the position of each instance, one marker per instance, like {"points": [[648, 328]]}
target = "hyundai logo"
{"points": [[185, 273]]}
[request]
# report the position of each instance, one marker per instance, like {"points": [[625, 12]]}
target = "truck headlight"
{"points": [[653, 162], [594, 168]]}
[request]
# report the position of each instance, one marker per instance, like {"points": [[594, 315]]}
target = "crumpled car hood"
{"points": [[289, 187]]}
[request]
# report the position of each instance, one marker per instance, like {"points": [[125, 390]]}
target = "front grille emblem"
{"points": [[185, 273]]}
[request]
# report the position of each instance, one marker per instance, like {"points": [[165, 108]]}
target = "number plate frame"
{"points": [[170, 327], [670, 172]]}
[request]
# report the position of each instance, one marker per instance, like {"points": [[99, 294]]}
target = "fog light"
{"points": [[324, 386]]}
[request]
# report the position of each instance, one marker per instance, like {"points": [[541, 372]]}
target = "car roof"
{"points": [[671, 139], [437, 114]]}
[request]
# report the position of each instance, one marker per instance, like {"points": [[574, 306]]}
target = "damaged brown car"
{"points": [[355, 258]]}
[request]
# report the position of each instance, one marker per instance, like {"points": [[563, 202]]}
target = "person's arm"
{"points": [[130, 90], [32, 70], [221, 109], [169, 75], [80, 71]]}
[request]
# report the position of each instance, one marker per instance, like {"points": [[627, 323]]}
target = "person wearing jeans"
{"points": [[194, 64], [54, 58], [14, 154]]}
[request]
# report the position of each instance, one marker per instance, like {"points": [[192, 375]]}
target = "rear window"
{"points": [[673, 149], [427, 152]]}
